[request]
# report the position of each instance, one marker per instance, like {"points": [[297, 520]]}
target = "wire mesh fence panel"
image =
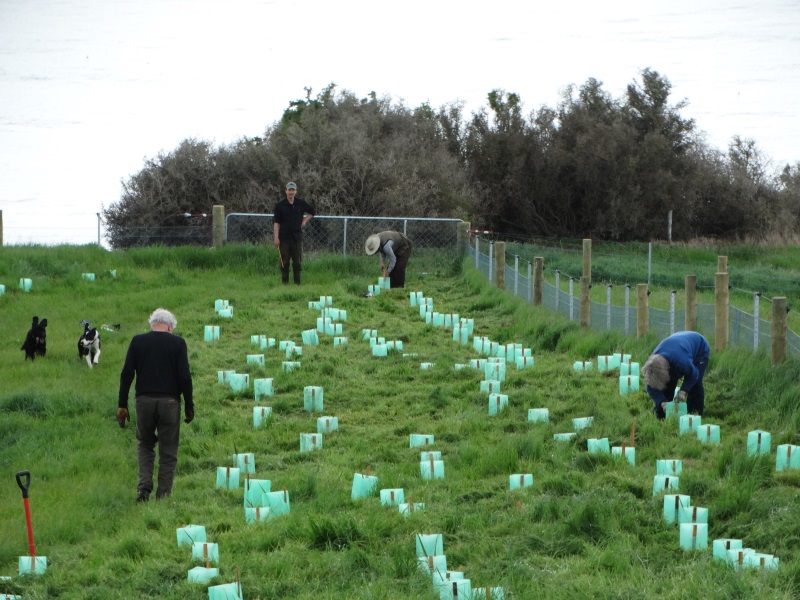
{"points": [[793, 342], [158, 235], [345, 235]]}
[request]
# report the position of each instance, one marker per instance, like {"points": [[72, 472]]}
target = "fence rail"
{"points": [[744, 329]]}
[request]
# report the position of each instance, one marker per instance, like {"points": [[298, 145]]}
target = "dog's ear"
{"points": [[35, 321], [43, 323]]}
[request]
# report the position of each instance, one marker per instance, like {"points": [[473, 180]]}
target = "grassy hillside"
{"points": [[588, 527]]}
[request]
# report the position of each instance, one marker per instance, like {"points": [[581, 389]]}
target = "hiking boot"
{"points": [[142, 496]]}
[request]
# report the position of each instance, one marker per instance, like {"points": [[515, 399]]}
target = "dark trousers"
{"points": [[397, 278], [291, 250], [158, 421], [696, 398]]}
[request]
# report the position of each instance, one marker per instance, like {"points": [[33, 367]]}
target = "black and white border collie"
{"points": [[89, 345], [36, 340]]}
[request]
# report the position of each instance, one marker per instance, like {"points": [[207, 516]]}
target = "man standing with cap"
{"points": [[395, 250], [289, 218]]}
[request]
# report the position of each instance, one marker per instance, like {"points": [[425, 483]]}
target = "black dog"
{"points": [[89, 345], [36, 339]]}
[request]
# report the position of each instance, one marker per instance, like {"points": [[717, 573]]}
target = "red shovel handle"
{"points": [[24, 486]]}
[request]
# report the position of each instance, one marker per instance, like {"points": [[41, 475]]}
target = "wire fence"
{"points": [[744, 329]]}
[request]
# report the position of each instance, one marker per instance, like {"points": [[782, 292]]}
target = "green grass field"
{"points": [[588, 527]]}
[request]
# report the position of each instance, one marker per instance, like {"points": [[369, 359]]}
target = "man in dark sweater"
{"points": [[159, 361], [289, 218]]}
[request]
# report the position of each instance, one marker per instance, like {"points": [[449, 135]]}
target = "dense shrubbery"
{"points": [[592, 166]]}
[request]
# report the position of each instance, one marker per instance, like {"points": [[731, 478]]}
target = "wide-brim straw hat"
{"points": [[372, 244]]}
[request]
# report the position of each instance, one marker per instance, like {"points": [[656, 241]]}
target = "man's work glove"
{"points": [[122, 416], [189, 415], [681, 396]]}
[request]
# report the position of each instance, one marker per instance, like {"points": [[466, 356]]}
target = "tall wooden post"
{"points": [[780, 343], [690, 291], [218, 226], [500, 265], [721, 310], [642, 309], [586, 284], [538, 279], [722, 264]]}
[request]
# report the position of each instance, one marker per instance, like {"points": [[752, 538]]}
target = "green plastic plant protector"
{"points": [[266, 343], [692, 514], [290, 365], [205, 552], [202, 574], [467, 323], [582, 365], [189, 534], [210, 333], [628, 384], [441, 578], [694, 536], [425, 310], [429, 318], [564, 437], [377, 341], [113, 273], [669, 467], [293, 351], [313, 305], [9, 596], [261, 415], [339, 340], [665, 483], [227, 478], [520, 480], [461, 366], [327, 424], [226, 591], [2, 289], [223, 376], [375, 290], [582, 422], [333, 329], [25, 284], [455, 590], [629, 452], [523, 362], [219, 304], [431, 469], [420, 439], [384, 282], [673, 503], [310, 441], [226, 313], [759, 443], [410, 355], [708, 434], [432, 563], [461, 335], [32, 565], [493, 349], [497, 403], [490, 386], [263, 387], [736, 557], [629, 369], [239, 382], [598, 446], [429, 544], [255, 492], [255, 339], [310, 337], [363, 486], [511, 352], [392, 497], [787, 456], [430, 454], [380, 350], [438, 319], [669, 408], [477, 342], [395, 345], [322, 322], [326, 301], [331, 313], [615, 360], [245, 462], [284, 344], [539, 415], [255, 359], [406, 508], [720, 547], [689, 424], [278, 503], [757, 560], [256, 514], [426, 366], [495, 371], [488, 593], [477, 363], [603, 363], [88, 276]]}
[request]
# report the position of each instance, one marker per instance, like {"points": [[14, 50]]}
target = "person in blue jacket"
{"points": [[682, 355]]}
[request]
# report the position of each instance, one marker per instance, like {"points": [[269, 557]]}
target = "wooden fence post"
{"points": [[500, 264], [690, 291], [218, 226], [462, 236], [586, 285], [780, 343], [538, 279], [721, 310], [642, 309]]}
